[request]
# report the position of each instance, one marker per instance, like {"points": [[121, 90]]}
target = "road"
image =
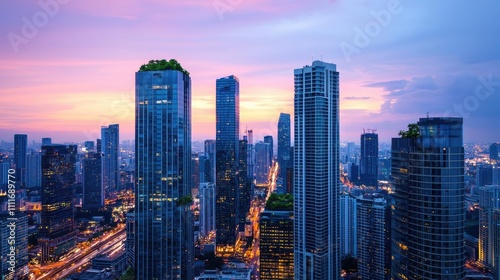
{"points": [[257, 207], [68, 266]]}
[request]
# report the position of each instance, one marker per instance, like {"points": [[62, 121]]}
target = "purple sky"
{"points": [[68, 66]]}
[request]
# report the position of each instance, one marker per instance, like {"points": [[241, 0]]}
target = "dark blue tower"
{"points": [[227, 160]]}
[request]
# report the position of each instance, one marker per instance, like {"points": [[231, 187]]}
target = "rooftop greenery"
{"points": [[185, 200], [412, 132], [280, 202], [158, 65]]}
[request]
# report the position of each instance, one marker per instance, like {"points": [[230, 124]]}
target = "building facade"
{"points": [[57, 231], [14, 246], [33, 169], [348, 228], [110, 139], [93, 188], [269, 140], [429, 202], [207, 208], [369, 159], [373, 237], [261, 162], [164, 223], [276, 245], [494, 151], [227, 143], [489, 227], [283, 156], [316, 172]]}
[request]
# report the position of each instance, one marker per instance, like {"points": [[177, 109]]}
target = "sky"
{"points": [[68, 67]]}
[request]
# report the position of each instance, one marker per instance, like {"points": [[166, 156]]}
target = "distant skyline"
{"points": [[68, 67]]}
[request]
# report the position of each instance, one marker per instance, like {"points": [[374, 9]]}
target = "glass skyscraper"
{"points": [[226, 146], [163, 220], [57, 230], [489, 227], [20, 150], [283, 145], [93, 191], [428, 213], [316, 172], [373, 237], [109, 147], [369, 159], [276, 245], [269, 139]]}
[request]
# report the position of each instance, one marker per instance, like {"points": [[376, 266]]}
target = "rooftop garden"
{"points": [[280, 202], [412, 132], [158, 65]]}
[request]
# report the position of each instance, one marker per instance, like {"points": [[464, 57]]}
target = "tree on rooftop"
{"points": [[412, 132], [158, 65]]}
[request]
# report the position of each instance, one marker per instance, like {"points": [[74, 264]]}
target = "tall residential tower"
{"points": [[316, 172], [109, 146]]}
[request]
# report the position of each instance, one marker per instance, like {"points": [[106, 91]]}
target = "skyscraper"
{"points": [[494, 151], [348, 228], [250, 156], [269, 139], [276, 244], [261, 162], [20, 150], [316, 172], [4, 176], [210, 154], [130, 241], [110, 151], [244, 186], [283, 145], [207, 208], [204, 167], [164, 223], [373, 237], [489, 227], [89, 145], [227, 137], [18, 249], [369, 159], [33, 169], [93, 190], [57, 230], [484, 175], [428, 213], [46, 141]]}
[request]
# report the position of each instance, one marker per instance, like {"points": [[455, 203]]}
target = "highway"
{"points": [[257, 207], [70, 264]]}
